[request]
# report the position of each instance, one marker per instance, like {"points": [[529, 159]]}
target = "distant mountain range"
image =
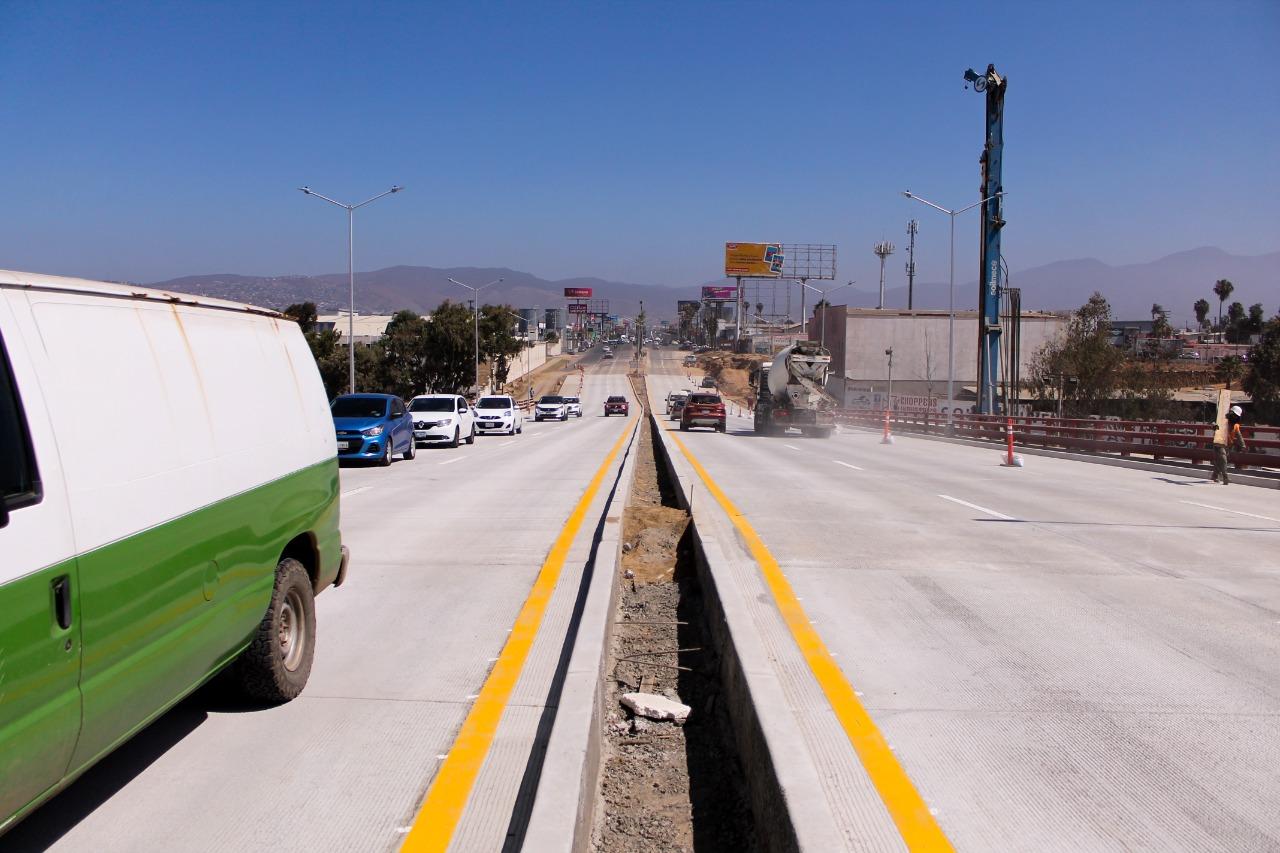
{"points": [[1175, 281]]}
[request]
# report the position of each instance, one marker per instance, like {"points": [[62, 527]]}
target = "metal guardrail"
{"points": [[1159, 439]]}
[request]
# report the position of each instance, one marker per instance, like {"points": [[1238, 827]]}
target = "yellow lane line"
{"points": [[438, 818], [916, 825]]}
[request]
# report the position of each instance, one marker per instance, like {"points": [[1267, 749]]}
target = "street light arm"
{"points": [[397, 188], [460, 284], [309, 191], [911, 195], [976, 203]]}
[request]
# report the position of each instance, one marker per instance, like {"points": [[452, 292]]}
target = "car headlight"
{"points": [[373, 431], [506, 414]]}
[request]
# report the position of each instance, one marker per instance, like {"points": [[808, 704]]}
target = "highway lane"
{"points": [[1065, 656], [444, 551]]}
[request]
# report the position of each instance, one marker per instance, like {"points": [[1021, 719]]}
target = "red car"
{"points": [[703, 410], [616, 406]]}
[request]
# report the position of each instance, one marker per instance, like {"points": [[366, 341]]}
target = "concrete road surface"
{"points": [[1067, 656], [444, 551]]}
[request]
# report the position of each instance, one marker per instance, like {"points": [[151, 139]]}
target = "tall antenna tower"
{"points": [[883, 250], [912, 228]]}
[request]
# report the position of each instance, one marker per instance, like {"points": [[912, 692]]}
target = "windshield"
{"points": [[571, 400], [432, 404], [359, 407], [617, 399], [494, 403], [551, 400]]}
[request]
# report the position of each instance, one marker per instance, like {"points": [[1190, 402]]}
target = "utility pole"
{"points": [[912, 227], [883, 250], [889, 394]]}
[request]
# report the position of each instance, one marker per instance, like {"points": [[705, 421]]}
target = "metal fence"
{"points": [[1157, 439]]}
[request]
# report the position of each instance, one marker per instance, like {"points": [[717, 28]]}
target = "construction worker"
{"points": [[1230, 439]]}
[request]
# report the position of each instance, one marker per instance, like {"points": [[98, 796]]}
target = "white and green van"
{"points": [[168, 508]]}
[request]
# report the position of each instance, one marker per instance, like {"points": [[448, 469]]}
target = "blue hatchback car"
{"points": [[372, 427]]}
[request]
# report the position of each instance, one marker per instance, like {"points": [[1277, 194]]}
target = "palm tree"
{"points": [[1202, 311], [1222, 289]]}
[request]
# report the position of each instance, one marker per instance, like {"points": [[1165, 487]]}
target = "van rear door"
{"points": [[39, 589]]}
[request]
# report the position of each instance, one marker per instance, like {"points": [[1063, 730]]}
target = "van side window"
{"points": [[19, 479]]}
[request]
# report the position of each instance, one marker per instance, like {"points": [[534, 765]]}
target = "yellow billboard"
{"points": [[753, 260]]}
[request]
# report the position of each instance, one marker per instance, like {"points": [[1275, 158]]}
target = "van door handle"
{"points": [[62, 601]]}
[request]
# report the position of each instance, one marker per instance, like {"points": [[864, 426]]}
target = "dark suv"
{"points": [[703, 410]]}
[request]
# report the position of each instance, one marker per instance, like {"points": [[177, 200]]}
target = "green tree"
{"points": [[326, 349], [1082, 361], [498, 342], [450, 361], [1263, 378], [1230, 370], [1236, 323], [552, 336], [1222, 289], [1257, 318], [1160, 326], [304, 314], [1202, 311], [403, 355]]}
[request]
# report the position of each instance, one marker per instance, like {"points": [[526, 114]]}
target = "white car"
{"points": [[550, 407], [442, 419], [498, 414], [574, 406]]}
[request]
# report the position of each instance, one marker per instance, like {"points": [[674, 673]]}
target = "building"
{"points": [[858, 338], [369, 328]]}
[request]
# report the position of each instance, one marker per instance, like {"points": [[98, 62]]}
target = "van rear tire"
{"points": [[276, 665]]}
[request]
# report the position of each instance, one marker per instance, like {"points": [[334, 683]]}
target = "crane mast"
{"points": [[989, 275]]}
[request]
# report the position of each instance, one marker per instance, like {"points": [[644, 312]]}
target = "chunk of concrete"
{"points": [[656, 707]]}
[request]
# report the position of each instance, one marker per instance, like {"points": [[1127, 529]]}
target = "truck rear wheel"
{"points": [[276, 665]]}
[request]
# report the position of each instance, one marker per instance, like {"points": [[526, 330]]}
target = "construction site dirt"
{"points": [[665, 786]]}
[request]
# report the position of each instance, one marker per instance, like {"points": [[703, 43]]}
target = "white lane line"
{"points": [[451, 461], [1234, 511], [351, 492], [790, 447], [846, 464], [978, 508], [506, 444]]}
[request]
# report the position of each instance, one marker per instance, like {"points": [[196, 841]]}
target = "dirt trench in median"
{"points": [[664, 787]]}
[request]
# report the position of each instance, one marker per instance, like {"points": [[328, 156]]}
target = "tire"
{"points": [[385, 461], [275, 668], [471, 439], [684, 427], [720, 427], [520, 429], [457, 437], [412, 451]]}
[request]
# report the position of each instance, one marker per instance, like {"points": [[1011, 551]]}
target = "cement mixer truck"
{"points": [[789, 392]]}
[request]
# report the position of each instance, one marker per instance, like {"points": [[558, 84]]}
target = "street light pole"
{"points": [[823, 332], [476, 321], [951, 298], [351, 273]]}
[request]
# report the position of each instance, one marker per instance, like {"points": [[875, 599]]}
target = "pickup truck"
{"points": [[703, 410], [616, 406]]}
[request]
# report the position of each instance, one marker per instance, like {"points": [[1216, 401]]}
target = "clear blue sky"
{"points": [[150, 140]]}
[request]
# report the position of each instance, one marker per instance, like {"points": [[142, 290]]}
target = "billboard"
{"points": [[688, 306], [725, 293], [577, 292], [577, 309], [755, 260]]}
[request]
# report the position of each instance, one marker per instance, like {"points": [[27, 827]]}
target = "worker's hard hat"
{"points": [[1235, 410]]}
